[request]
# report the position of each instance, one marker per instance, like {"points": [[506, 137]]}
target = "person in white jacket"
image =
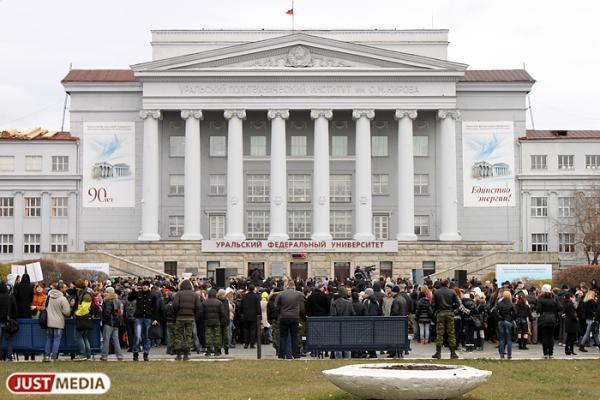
{"points": [[58, 309]]}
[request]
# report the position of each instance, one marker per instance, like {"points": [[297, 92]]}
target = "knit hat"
{"points": [[396, 289], [546, 288], [109, 289], [146, 283]]}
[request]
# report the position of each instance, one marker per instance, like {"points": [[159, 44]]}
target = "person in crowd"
{"points": [[548, 309], [129, 306], [444, 303], [58, 309], [8, 311], [360, 309], [267, 332], [342, 307], [23, 292], [214, 317], [112, 319], [571, 324], [387, 300], [186, 305], [38, 304], [146, 314], [231, 316], [250, 313], [522, 320], [290, 308], [505, 313], [588, 312], [424, 315], [82, 312], [273, 317], [317, 304], [171, 320], [469, 315], [222, 297]]}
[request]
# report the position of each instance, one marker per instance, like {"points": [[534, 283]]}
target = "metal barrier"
{"points": [[32, 339], [357, 334]]}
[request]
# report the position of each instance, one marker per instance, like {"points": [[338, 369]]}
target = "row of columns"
{"points": [[278, 206]]}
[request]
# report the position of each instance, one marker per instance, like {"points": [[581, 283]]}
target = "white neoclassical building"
{"points": [[305, 152]]}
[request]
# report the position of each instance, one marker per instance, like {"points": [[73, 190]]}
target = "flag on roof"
{"points": [[290, 11]]}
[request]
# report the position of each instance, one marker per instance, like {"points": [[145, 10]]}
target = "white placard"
{"points": [[300, 246], [488, 163], [512, 272], [108, 164], [100, 267], [34, 271]]}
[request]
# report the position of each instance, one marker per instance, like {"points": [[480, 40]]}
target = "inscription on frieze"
{"points": [[298, 89]]}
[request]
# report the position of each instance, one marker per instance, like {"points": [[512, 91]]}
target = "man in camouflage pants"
{"points": [[445, 301], [214, 317]]}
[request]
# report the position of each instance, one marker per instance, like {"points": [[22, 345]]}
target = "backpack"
{"points": [[117, 314]]}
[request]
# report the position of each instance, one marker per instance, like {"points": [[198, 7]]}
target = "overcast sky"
{"points": [[559, 41]]}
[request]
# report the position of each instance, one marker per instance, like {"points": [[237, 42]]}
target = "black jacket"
{"points": [[147, 304], [23, 293], [424, 312], [548, 309], [250, 307], [444, 299], [571, 323], [212, 308], [372, 307], [359, 308], [505, 311], [8, 304], [342, 307], [400, 306], [317, 304]]}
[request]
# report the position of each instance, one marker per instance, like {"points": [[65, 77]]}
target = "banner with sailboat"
{"points": [[488, 163], [108, 164]]}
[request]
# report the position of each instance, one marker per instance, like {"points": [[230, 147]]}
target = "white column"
{"points": [[363, 206], [278, 175], [448, 182], [406, 175], [150, 175], [235, 175], [192, 205], [320, 196]]}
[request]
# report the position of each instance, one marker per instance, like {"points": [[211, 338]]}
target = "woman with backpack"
{"points": [[112, 319], [82, 312]]}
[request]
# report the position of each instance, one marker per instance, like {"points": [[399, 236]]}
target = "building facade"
{"points": [[286, 141], [39, 184], [556, 167]]}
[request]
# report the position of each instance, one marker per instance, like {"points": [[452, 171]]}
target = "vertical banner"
{"points": [[488, 163], [108, 164]]}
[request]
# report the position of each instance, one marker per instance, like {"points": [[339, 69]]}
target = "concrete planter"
{"points": [[406, 381]]}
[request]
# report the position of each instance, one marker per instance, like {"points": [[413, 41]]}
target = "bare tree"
{"points": [[585, 223]]}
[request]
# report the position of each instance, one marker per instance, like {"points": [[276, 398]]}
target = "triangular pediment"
{"points": [[299, 51]]}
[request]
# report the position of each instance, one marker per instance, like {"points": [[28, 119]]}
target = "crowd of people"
{"points": [[193, 315]]}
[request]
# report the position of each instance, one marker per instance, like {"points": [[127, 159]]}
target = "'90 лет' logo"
{"points": [[58, 383]]}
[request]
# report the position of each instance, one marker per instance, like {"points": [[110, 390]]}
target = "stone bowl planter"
{"points": [[406, 381]]}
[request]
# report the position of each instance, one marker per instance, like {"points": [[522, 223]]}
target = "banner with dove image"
{"points": [[488, 163], [108, 164]]}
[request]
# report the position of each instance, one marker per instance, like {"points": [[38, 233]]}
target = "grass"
{"points": [[272, 379]]}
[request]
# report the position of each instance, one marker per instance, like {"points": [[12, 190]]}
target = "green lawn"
{"points": [[272, 379]]}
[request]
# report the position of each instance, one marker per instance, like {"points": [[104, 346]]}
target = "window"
{"points": [[539, 206], [428, 267], [175, 225], [7, 206], [33, 163], [298, 148], [566, 207], [176, 185], [339, 146], [258, 146], [257, 224], [31, 243], [538, 161], [217, 146], [340, 224], [299, 224], [421, 184], [60, 206], [177, 146], [385, 269], [216, 226], [60, 163], [299, 188], [539, 242], [340, 188], [379, 146], [33, 206], [381, 226], [211, 268], [217, 185], [566, 242], [420, 146], [422, 225], [380, 184], [59, 243], [565, 161], [592, 161], [6, 244], [258, 188], [7, 163]]}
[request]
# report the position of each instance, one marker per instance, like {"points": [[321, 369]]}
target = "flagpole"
{"points": [[293, 14]]}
